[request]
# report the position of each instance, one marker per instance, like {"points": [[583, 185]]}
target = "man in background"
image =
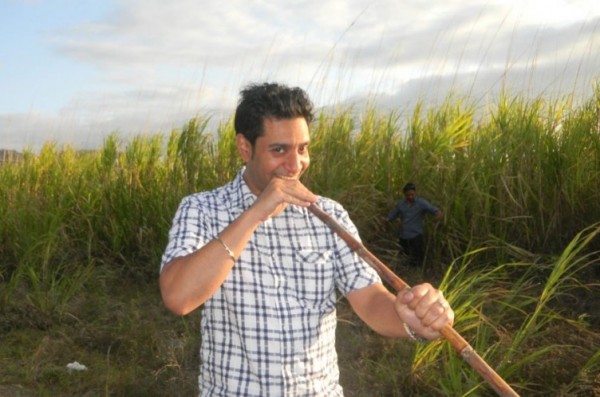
{"points": [[412, 210]]}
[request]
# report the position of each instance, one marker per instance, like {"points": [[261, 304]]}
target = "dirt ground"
{"points": [[15, 391]]}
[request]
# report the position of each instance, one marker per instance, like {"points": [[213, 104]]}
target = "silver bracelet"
{"points": [[412, 334], [229, 251]]}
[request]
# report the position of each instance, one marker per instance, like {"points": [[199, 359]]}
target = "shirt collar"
{"points": [[242, 197]]}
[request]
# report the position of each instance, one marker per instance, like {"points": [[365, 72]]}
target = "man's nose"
{"points": [[294, 162]]}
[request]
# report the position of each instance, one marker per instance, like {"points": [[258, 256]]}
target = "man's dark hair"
{"points": [[269, 100], [409, 186]]}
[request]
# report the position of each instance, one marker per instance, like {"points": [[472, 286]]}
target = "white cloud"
{"points": [[159, 63]]}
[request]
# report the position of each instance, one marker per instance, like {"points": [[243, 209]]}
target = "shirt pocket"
{"points": [[312, 278]]}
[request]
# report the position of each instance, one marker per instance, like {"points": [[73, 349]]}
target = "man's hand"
{"points": [[439, 215], [280, 192], [424, 309]]}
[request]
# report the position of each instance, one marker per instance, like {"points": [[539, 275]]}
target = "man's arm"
{"points": [[423, 308], [188, 281], [394, 213], [431, 209]]}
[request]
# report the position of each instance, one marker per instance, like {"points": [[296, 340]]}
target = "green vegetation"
{"points": [[518, 254]]}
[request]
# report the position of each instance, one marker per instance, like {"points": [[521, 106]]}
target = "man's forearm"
{"points": [[189, 281], [375, 306]]}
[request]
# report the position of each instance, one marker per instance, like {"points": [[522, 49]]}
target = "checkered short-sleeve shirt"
{"points": [[270, 328]]}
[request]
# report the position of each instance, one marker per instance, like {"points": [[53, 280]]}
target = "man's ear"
{"points": [[244, 147]]}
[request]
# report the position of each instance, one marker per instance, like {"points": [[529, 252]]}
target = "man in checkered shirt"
{"points": [[266, 270]]}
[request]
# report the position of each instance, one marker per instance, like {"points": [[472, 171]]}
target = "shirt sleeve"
{"points": [[352, 272], [427, 206], [189, 231]]}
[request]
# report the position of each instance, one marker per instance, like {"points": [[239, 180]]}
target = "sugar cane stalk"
{"points": [[458, 342]]}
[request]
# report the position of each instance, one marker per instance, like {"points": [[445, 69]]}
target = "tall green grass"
{"points": [[82, 233]]}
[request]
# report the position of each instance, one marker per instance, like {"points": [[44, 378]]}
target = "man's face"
{"points": [[410, 195], [281, 151]]}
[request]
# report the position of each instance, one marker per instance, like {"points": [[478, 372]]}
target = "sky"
{"points": [[73, 72]]}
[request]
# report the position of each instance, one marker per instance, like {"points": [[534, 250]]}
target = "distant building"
{"points": [[10, 156]]}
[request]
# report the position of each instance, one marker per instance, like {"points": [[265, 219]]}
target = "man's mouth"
{"points": [[287, 178]]}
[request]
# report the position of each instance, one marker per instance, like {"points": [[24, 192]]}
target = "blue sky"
{"points": [[34, 75], [74, 71]]}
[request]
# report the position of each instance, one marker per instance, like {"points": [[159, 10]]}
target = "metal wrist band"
{"points": [[412, 334], [229, 251]]}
